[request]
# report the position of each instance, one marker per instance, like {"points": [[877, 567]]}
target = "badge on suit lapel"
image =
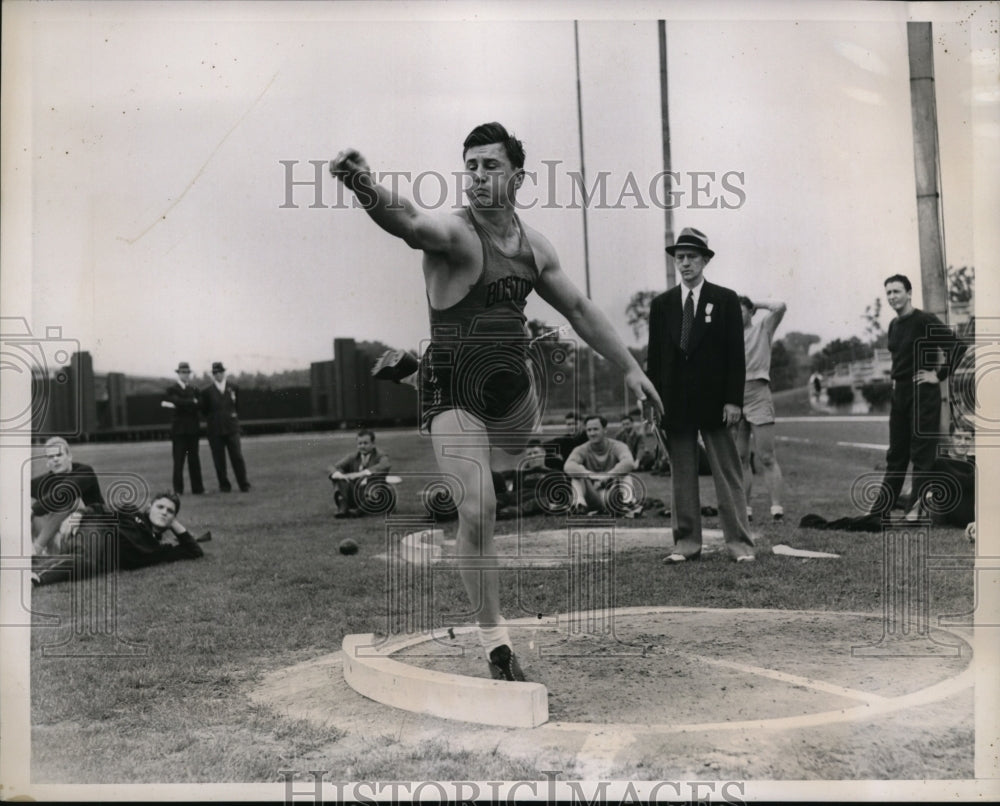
{"points": [[708, 311]]}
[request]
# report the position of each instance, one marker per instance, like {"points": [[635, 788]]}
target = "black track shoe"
{"points": [[504, 665]]}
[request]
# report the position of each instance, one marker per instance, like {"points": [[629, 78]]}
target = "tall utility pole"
{"points": [[926, 165], [591, 387], [665, 134], [933, 274]]}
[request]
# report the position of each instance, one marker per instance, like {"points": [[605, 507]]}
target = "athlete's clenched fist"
{"points": [[349, 166]]}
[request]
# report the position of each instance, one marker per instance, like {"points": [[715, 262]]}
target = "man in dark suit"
{"points": [[219, 405], [184, 401], [696, 362], [351, 475]]}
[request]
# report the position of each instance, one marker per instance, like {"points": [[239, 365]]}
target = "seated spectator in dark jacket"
{"points": [[118, 540], [558, 449], [66, 487], [949, 502], [353, 473], [630, 435], [532, 488], [958, 476]]}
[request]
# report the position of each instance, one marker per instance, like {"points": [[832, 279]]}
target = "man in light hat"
{"points": [[697, 364], [184, 401], [219, 405]]}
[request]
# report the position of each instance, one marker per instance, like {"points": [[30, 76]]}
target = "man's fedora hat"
{"points": [[693, 239], [217, 366], [184, 366]]}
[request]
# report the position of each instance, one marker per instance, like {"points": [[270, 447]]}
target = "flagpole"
{"points": [[591, 388], [665, 137]]}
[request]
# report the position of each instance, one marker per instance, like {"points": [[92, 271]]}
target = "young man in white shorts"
{"points": [[757, 420]]}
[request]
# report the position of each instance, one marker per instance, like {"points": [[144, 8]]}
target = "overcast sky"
{"points": [[154, 138]]}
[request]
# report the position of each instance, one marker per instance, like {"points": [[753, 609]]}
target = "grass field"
{"points": [[273, 590]]}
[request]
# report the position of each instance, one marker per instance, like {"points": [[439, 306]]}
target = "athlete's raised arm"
{"points": [[395, 214]]}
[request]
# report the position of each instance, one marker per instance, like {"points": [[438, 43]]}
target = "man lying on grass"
{"points": [[122, 539]]}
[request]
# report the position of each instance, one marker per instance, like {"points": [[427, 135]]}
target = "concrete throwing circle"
{"points": [[697, 685], [682, 669]]}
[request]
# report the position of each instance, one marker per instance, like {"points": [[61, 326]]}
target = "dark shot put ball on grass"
{"points": [[348, 546]]}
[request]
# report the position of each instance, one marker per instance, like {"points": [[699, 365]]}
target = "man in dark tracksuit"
{"points": [[917, 340], [184, 401]]}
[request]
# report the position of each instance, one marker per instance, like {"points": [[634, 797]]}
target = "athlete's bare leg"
{"points": [[461, 448], [763, 437]]}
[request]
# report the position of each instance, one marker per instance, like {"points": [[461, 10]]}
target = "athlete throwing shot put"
{"points": [[480, 264]]}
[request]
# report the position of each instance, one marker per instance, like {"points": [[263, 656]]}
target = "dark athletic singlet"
{"points": [[476, 360]]}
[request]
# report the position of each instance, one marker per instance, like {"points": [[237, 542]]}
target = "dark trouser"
{"points": [[727, 472], [369, 494], [220, 444], [346, 493], [88, 552], [914, 433], [186, 446]]}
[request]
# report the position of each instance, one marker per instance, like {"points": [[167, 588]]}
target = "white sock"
{"points": [[492, 637]]}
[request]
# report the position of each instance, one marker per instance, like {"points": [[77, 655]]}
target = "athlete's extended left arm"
{"points": [[593, 327]]}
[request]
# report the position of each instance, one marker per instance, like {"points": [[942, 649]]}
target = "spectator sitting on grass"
{"points": [[957, 472], [629, 434], [67, 487], [559, 448], [96, 543], [597, 468], [353, 473], [935, 500], [533, 488]]}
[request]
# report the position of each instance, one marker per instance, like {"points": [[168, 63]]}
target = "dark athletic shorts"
{"points": [[491, 381]]}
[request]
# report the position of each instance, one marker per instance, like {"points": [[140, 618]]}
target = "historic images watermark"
{"points": [[315, 787], [551, 188]]}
